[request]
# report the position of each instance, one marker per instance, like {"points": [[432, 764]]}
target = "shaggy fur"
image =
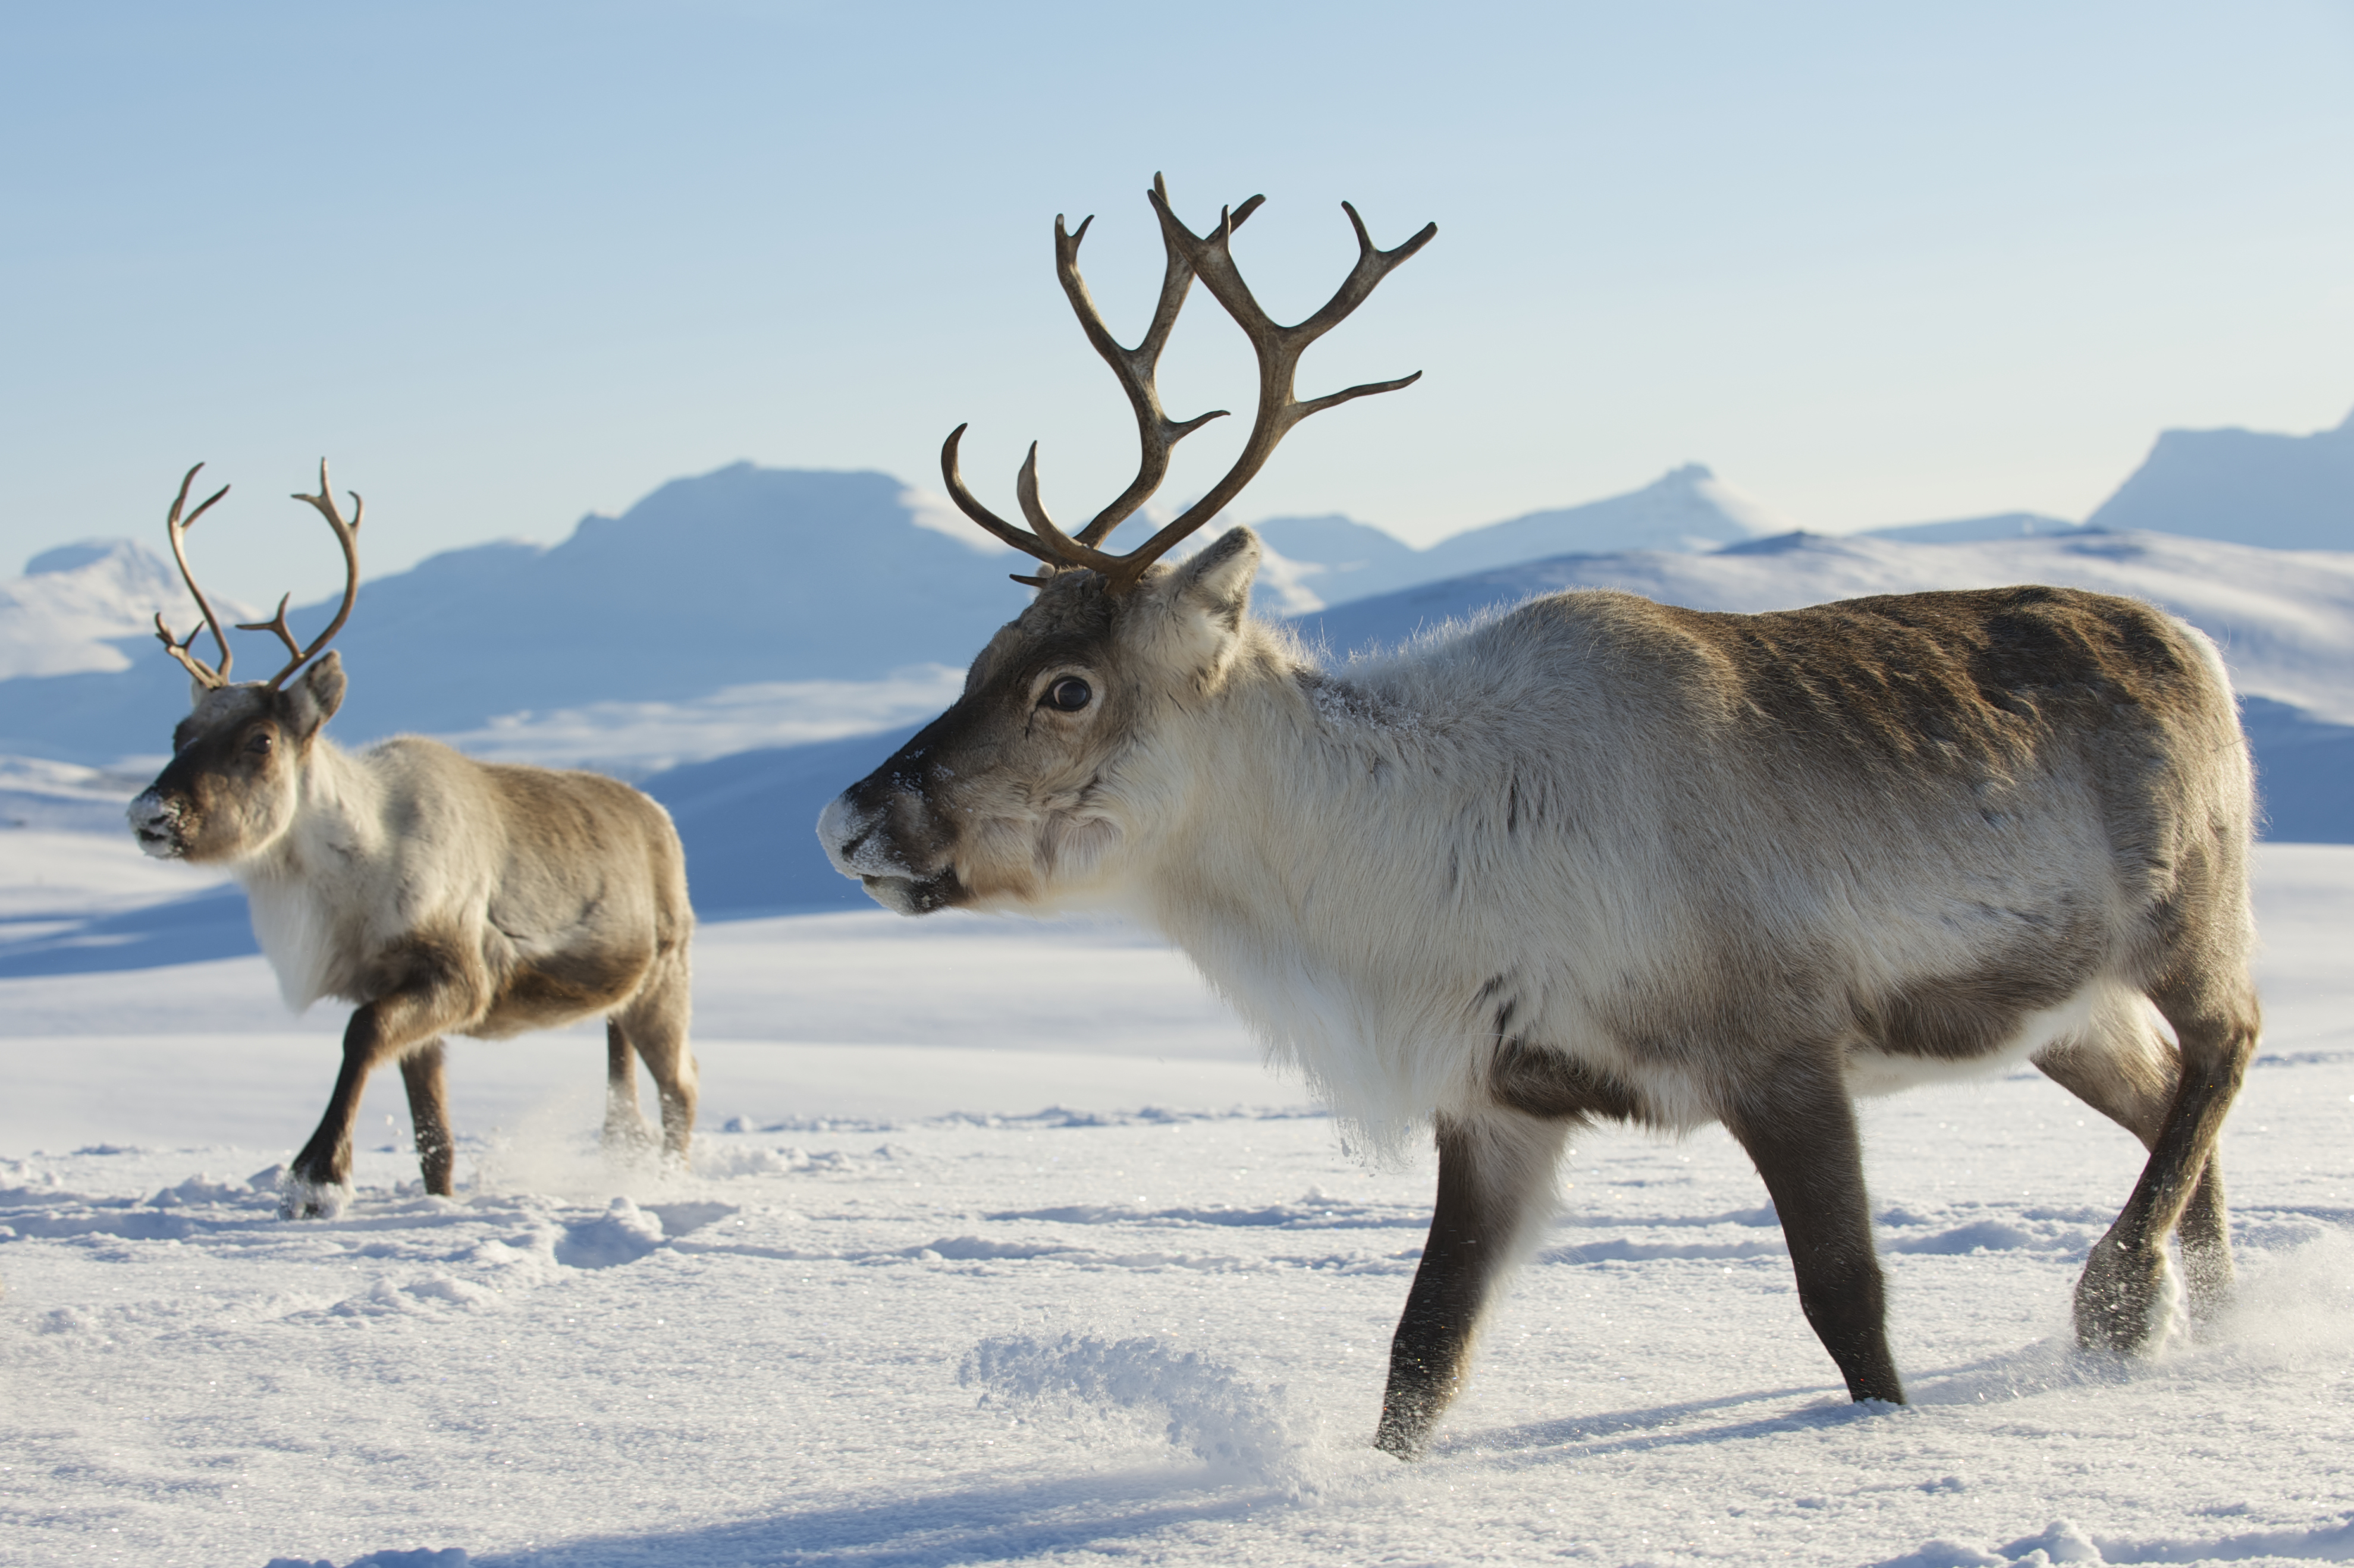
{"points": [[1602, 858], [440, 895]]}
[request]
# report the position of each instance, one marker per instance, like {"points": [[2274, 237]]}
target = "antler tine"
{"points": [[347, 535], [1067, 551], [178, 648], [1137, 368], [177, 526], [1279, 349], [970, 505], [277, 623]]}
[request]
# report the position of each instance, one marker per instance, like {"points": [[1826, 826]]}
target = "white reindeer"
{"points": [[438, 895], [1602, 858]]}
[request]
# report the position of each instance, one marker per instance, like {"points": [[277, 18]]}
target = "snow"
{"points": [[1000, 1246]]}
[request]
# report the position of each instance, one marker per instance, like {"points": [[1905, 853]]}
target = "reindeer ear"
{"points": [[313, 700], [1218, 580]]}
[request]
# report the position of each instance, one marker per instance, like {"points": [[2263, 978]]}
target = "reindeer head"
{"points": [[1055, 768], [235, 778]]}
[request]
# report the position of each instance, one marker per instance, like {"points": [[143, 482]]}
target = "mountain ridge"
{"points": [[2289, 492]]}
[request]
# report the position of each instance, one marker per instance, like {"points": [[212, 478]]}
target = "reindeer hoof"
{"points": [[2126, 1303], [628, 1140], [1404, 1435], [300, 1198]]}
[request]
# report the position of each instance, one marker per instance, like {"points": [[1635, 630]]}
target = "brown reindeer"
{"points": [[1598, 858], [437, 895]]}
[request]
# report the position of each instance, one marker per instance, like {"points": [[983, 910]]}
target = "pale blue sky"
{"points": [[508, 263]]}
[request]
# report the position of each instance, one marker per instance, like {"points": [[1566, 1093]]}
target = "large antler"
{"points": [[178, 527], [347, 535], [1279, 348]]}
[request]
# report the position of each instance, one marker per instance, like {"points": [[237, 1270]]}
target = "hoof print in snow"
{"points": [[622, 1233], [1202, 1407], [682, 1219]]}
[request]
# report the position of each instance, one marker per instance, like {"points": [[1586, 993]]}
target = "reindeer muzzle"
{"points": [[157, 822], [870, 842]]}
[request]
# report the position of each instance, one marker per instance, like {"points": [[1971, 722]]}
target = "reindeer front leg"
{"points": [[437, 998], [1801, 1134], [1495, 1188]]}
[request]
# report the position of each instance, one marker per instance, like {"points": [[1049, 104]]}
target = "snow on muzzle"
{"points": [[155, 823], [886, 839]]}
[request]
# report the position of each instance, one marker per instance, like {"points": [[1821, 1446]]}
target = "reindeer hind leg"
{"points": [[2121, 1066], [2121, 1299], [626, 1132], [655, 1022], [423, 1075]]}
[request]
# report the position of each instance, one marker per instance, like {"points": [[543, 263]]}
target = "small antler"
{"points": [[177, 526], [1210, 257], [347, 535]]}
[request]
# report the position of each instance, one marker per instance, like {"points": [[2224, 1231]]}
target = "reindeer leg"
{"points": [[625, 1125], [656, 1024], [441, 994], [2121, 1297], [1802, 1137], [320, 1178], [2123, 1068], [428, 1113], [2206, 1232], [1495, 1178]]}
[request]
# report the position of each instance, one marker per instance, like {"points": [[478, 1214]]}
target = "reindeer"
{"points": [[438, 895], [1603, 859]]}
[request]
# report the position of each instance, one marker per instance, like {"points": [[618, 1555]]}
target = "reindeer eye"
{"points": [[1070, 694], [257, 744]]}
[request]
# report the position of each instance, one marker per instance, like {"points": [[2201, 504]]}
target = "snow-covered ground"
{"points": [[1000, 1246]]}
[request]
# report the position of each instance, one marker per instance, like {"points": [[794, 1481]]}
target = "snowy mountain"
{"points": [[2292, 492], [1338, 560], [1688, 508], [76, 605], [709, 585]]}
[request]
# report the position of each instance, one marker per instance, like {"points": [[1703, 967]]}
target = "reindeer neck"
{"points": [[1300, 767], [338, 815]]}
